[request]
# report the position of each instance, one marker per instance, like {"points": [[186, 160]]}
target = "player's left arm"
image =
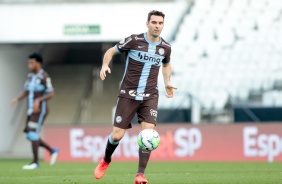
{"points": [[46, 97], [166, 69]]}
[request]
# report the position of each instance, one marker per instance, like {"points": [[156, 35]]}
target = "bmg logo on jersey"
{"points": [[145, 57]]}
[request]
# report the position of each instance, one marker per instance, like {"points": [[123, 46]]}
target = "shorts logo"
{"points": [[161, 51], [122, 91], [118, 119], [154, 113], [134, 93]]}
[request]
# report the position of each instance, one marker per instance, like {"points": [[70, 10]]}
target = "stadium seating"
{"points": [[69, 90], [272, 98], [79, 98], [225, 51]]}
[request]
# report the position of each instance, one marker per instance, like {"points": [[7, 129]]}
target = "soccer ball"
{"points": [[148, 139]]}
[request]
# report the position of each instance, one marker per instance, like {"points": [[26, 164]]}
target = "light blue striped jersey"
{"points": [[37, 85], [143, 61]]}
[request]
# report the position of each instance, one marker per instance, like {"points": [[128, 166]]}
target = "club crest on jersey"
{"points": [[161, 51]]}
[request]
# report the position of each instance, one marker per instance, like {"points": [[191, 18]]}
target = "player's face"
{"points": [[33, 66], [155, 25]]}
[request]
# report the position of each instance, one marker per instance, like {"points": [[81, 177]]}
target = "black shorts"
{"points": [[35, 121], [146, 110]]}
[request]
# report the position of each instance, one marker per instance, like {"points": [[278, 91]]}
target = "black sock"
{"points": [[110, 148], [35, 146], [143, 160], [46, 146]]}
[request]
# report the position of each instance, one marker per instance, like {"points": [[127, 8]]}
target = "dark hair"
{"points": [[155, 12], [37, 57]]}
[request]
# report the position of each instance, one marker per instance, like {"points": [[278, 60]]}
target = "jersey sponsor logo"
{"points": [[140, 46], [156, 61], [137, 38], [134, 93], [161, 51], [153, 112], [118, 119], [163, 43], [127, 41]]}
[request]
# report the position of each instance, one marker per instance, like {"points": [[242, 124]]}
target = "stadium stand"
{"points": [[226, 53], [80, 94], [68, 97]]}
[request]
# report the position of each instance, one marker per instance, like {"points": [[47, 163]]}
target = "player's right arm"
{"points": [[19, 98], [123, 46], [106, 61], [22, 95]]}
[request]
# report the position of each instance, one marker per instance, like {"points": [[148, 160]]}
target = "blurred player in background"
{"points": [[145, 53], [38, 89]]}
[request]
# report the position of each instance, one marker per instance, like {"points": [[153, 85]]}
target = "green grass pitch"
{"points": [[157, 173]]}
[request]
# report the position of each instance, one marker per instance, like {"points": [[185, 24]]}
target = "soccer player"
{"points": [[145, 54], [38, 89]]}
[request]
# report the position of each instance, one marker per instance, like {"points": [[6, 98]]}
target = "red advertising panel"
{"points": [[179, 142]]}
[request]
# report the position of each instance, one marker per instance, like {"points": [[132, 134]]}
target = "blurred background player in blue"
{"points": [[38, 89]]}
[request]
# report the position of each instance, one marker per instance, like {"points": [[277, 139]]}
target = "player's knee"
{"points": [[146, 125], [117, 134], [32, 136], [116, 137]]}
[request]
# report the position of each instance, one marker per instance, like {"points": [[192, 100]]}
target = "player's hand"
{"points": [[36, 106], [170, 91], [103, 72], [14, 102]]}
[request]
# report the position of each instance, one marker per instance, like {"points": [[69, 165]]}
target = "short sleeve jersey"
{"points": [[37, 85], [143, 61]]}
